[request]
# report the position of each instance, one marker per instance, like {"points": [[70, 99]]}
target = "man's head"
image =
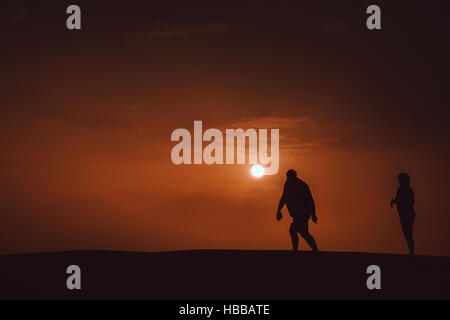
{"points": [[403, 179], [291, 174]]}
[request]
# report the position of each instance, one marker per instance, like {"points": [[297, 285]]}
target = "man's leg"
{"points": [[407, 226], [304, 232], [294, 237]]}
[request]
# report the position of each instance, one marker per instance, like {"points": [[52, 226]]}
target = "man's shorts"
{"points": [[299, 224]]}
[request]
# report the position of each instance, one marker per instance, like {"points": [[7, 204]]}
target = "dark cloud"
{"points": [[169, 30], [335, 27]]}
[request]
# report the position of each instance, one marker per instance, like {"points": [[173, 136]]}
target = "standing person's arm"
{"points": [[281, 204], [394, 201], [312, 206]]}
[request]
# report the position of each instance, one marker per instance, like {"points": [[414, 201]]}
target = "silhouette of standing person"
{"points": [[405, 207], [300, 204]]}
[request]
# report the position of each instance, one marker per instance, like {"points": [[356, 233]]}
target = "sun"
{"points": [[257, 171]]}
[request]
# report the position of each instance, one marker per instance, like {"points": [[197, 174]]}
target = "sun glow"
{"points": [[257, 171]]}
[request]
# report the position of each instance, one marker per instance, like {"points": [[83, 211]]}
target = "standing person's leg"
{"points": [[294, 237], [304, 232], [410, 238], [407, 222]]}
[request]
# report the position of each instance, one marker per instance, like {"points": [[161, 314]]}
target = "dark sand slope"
{"points": [[223, 274]]}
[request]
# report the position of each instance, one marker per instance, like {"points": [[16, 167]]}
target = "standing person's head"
{"points": [[291, 175], [403, 179]]}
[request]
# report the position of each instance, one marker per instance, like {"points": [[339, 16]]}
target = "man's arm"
{"points": [[312, 206], [394, 201], [281, 204]]}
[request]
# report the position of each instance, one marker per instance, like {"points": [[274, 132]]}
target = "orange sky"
{"points": [[87, 119]]}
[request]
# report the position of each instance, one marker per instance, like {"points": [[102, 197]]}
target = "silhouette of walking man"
{"points": [[405, 207], [300, 204]]}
